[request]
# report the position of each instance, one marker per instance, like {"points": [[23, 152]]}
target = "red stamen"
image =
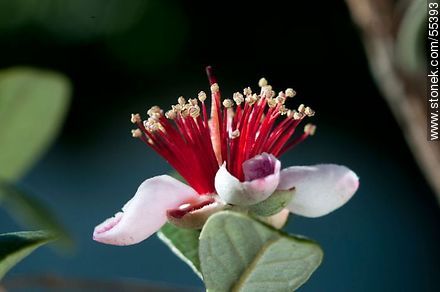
{"points": [[196, 147]]}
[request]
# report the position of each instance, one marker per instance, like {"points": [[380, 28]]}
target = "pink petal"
{"points": [[145, 213], [246, 193], [319, 189]]}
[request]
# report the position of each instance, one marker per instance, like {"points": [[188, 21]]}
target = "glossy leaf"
{"points": [[238, 253], [33, 104], [16, 246], [184, 243]]}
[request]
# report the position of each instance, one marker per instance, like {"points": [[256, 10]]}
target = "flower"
{"points": [[227, 159]]}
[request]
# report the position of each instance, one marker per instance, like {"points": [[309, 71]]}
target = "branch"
{"points": [[379, 22]]}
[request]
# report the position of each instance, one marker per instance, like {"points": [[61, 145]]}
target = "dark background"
{"points": [[124, 56]]}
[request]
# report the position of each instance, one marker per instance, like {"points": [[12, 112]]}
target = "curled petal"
{"points": [[145, 213], [247, 193], [319, 189]]}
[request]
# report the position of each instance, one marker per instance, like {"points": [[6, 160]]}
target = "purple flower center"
{"points": [[259, 166]]}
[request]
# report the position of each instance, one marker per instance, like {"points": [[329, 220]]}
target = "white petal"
{"points": [[145, 213], [232, 191], [319, 189]]}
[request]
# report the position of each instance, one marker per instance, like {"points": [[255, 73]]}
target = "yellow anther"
{"points": [[136, 118], [154, 111], [267, 91], [215, 88], [171, 114], [194, 111], [184, 113], [262, 82], [238, 98], [202, 96], [181, 100], [152, 120], [136, 133], [281, 99], [290, 92], [291, 113], [247, 91], [177, 108], [267, 87], [228, 103], [235, 134], [193, 101], [272, 93], [310, 129], [283, 110], [151, 125], [251, 99], [156, 117], [309, 112], [301, 108], [271, 102], [298, 116]]}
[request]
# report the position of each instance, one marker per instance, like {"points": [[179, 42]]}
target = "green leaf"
{"points": [[284, 265], [184, 243], [274, 204], [33, 104], [30, 212], [17, 245], [241, 254]]}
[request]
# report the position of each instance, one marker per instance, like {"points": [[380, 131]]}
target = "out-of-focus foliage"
{"points": [[155, 40], [75, 19], [141, 34], [17, 245], [33, 104], [30, 211]]}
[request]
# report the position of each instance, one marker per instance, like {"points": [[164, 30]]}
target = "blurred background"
{"points": [[125, 56]]}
